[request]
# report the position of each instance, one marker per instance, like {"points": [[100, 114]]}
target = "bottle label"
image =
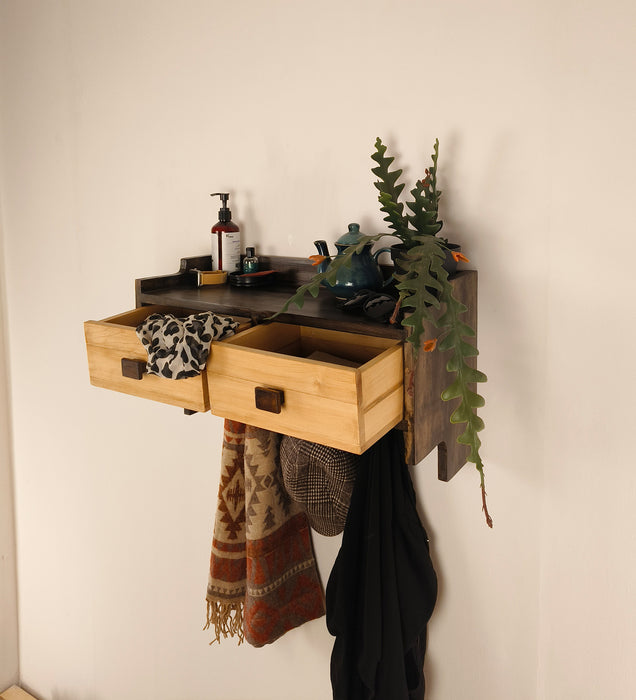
{"points": [[226, 250], [231, 252]]}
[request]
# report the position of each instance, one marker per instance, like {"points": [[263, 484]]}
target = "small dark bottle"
{"points": [[250, 262], [226, 239]]}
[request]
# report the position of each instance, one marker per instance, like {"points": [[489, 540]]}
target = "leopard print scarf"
{"points": [[179, 347]]}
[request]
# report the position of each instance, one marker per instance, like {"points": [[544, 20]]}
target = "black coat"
{"points": [[382, 589]]}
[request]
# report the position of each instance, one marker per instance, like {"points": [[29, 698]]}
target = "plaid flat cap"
{"points": [[320, 479]]}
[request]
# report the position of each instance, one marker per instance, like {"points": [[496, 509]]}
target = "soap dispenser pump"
{"points": [[226, 238]]}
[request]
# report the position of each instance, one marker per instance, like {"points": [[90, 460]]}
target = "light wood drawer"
{"points": [[112, 339], [322, 401]]}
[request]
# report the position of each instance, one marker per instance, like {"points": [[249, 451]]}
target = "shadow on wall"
{"points": [[9, 662], [513, 260], [416, 471]]}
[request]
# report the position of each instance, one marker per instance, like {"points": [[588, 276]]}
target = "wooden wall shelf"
{"points": [[425, 416]]}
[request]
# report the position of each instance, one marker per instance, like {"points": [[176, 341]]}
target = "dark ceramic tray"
{"points": [[238, 279]]}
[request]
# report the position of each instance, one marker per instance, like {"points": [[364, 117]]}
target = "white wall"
{"points": [[118, 119], [588, 578]]}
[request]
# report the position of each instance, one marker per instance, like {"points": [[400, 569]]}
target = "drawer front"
{"points": [[112, 340], [302, 415], [105, 368], [341, 406]]}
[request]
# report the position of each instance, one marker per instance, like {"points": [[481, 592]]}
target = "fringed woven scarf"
{"points": [[263, 577]]}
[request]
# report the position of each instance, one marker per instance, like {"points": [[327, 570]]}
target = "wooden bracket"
{"points": [[425, 378]]}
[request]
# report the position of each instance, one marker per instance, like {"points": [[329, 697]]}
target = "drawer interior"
{"points": [[134, 317], [327, 346], [118, 331]]}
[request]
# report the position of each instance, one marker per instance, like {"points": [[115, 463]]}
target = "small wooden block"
{"points": [[270, 400], [207, 277], [133, 369]]}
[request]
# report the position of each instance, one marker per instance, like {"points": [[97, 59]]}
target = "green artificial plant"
{"points": [[425, 291]]}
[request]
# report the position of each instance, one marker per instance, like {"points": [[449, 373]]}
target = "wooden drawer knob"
{"points": [[133, 369], [270, 400]]}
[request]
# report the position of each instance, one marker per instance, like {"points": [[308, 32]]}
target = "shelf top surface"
{"points": [[260, 303]]}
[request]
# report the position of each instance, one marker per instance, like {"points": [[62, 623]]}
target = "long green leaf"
{"points": [[390, 191], [454, 331]]}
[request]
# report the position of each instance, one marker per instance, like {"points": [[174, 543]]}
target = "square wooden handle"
{"points": [[133, 369], [270, 400]]}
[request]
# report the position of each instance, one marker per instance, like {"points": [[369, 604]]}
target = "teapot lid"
{"points": [[352, 237]]}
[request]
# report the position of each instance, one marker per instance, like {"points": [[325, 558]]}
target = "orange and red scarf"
{"points": [[263, 578]]}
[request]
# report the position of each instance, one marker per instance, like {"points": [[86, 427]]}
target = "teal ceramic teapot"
{"points": [[364, 272]]}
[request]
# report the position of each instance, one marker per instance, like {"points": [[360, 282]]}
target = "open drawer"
{"points": [[336, 388], [113, 340]]}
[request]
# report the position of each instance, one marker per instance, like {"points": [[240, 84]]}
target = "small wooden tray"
{"points": [[252, 279]]}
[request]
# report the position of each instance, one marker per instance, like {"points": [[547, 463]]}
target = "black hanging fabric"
{"points": [[382, 588]]}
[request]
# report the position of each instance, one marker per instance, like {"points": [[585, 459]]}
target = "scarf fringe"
{"points": [[226, 619]]}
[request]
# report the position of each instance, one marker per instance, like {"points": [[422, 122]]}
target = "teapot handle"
{"points": [[376, 255], [378, 252]]}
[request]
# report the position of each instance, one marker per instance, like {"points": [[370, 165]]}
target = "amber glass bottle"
{"points": [[226, 239]]}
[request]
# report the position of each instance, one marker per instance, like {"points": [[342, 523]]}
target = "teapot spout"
{"points": [[323, 249]]}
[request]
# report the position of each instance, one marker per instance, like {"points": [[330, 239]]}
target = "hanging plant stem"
{"points": [[453, 338]]}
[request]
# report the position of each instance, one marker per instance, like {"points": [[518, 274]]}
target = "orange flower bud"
{"points": [[317, 259], [459, 257], [429, 345]]}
